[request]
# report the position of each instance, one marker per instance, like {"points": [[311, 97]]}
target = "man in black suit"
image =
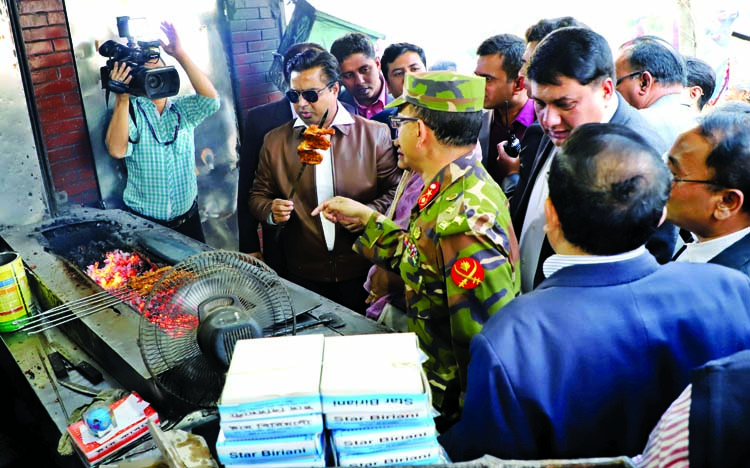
{"points": [[260, 120], [572, 83], [711, 167]]}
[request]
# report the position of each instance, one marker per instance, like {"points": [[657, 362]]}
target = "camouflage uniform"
{"points": [[459, 261]]}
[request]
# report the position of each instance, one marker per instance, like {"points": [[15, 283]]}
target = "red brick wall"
{"points": [[58, 99], [255, 30]]}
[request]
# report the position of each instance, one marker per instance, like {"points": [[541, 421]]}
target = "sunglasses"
{"points": [[310, 95]]}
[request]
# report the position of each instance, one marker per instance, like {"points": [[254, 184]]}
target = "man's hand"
{"points": [[116, 138], [351, 214], [258, 255], [174, 46], [121, 73], [281, 210], [353, 225], [505, 164], [201, 84]]}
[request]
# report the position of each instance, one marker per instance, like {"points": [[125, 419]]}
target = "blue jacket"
{"points": [[585, 365], [719, 413]]}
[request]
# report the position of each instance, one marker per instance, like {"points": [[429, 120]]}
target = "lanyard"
{"points": [[150, 127]]}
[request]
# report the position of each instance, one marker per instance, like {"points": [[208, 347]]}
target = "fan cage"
{"points": [[169, 327]]}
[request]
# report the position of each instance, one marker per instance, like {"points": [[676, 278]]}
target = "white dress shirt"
{"points": [[532, 232], [324, 175]]}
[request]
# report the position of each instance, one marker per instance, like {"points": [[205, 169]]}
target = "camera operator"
{"points": [[155, 138]]}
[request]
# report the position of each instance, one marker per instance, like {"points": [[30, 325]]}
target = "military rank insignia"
{"points": [[428, 194], [467, 273]]}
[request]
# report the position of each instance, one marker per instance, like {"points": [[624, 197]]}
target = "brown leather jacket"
{"points": [[365, 169]]}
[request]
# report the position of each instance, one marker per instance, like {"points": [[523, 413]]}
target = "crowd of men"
{"points": [[564, 230]]}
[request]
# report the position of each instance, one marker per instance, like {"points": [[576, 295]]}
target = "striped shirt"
{"points": [[667, 445], [557, 262], [161, 181]]}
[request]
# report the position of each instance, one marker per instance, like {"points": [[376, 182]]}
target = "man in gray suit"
{"points": [[571, 75]]}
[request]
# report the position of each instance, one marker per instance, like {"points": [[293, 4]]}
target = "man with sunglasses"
{"points": [[259, 121], [711, 167], [459, 256], [157, 144], [360, 163], [651, 76]]}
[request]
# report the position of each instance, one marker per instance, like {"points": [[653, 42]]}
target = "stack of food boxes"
{"points": [[376, 401], [270, 408]]}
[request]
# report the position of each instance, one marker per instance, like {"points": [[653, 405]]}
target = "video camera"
{"points": [[153, 83]]}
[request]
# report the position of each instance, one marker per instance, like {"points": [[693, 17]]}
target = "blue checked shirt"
{"points": [[161, 180]]}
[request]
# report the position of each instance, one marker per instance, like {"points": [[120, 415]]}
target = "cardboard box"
{"points": [[130, 415]]}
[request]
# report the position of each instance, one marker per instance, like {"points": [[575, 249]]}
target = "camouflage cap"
{"points": [[446, 91]]}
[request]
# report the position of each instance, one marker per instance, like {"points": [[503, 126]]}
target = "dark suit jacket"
{"points": [[529, 146], [260, 120], [735, 256], [662, 243], [719, 412], [585, 365]]}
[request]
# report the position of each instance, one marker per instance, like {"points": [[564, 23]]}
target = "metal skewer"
{"points": [[89, 305], [74, 310]]}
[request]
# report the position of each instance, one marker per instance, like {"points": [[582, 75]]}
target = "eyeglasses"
{"points": [[310, 95], [629, 75], [676, 179], [398, 120]]}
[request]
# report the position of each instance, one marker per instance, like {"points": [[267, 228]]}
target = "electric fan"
{"points": [[196, 313]]}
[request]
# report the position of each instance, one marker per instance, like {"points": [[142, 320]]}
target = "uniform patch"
{"points": [[467, 273], [428, 194]]}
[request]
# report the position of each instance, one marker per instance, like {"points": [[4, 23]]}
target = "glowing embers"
{"points": [[118, 268], [131, 278]]}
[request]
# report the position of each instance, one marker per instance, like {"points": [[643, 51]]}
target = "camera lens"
{"points": [[154, 81]]}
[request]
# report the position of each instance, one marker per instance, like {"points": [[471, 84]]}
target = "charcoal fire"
{"points": [[127, 270]]}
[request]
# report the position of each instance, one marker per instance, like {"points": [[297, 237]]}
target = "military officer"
{"points": [[459, 256]]}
